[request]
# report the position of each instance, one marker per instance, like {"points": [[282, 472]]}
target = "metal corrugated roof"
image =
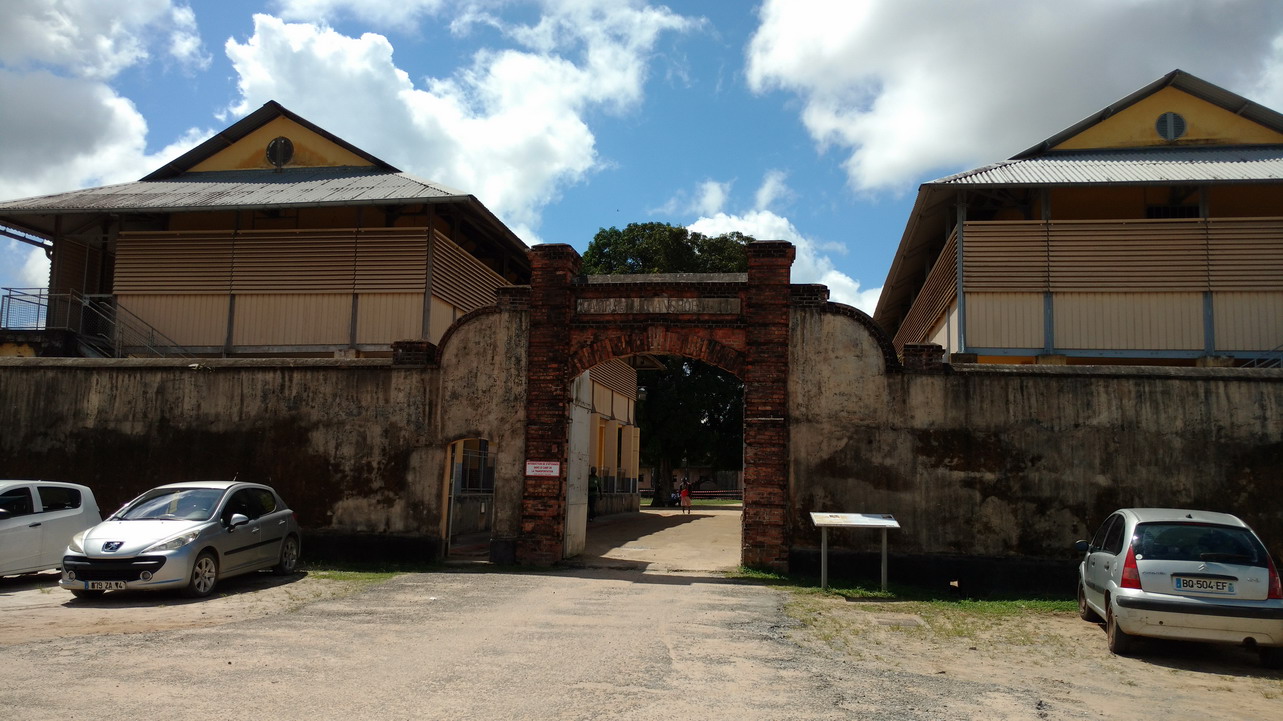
{"points": [[243, 189], [1120, 167]]}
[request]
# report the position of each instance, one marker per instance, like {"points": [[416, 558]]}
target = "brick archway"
{"points": [[737, 322]]}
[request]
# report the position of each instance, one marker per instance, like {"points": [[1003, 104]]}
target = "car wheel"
{"points": [[1121, 643], [288, 562], [204, 576], [1084, 611], [1271, 656], [86, 594]]}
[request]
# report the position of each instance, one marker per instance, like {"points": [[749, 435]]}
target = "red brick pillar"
{"points": [[543, 504], [766, 449]]}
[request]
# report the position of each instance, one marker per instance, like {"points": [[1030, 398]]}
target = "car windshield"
{"points": [[1197, 542], [193, 504]]}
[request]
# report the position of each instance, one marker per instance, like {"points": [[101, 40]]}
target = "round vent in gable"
{"points": [[1170, 126], [279, 151]]}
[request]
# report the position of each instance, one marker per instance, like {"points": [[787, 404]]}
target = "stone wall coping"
{"points": [[635, 278], [201, 363], [1269, 375]]}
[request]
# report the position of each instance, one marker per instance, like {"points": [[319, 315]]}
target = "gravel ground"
{"points": [[588, 644], [637, 633]]}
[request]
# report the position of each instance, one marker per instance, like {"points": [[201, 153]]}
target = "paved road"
{"points": [[609, 640]]}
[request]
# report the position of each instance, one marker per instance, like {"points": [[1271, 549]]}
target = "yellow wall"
{"points": [[187, 319], [310, 150], [297, 319], [1005, 320], [17, 350], [1205, 124], [1149, 321], [1248, 321]]}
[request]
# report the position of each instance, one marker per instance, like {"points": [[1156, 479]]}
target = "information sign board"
{"points": [[543, 468]]}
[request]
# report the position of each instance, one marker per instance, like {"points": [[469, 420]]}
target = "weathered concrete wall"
{"points": [[482, 387], [347, 443], [1020, 461], [355, 446]]}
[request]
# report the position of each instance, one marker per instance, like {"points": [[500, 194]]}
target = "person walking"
{"points": [[594, 490], [685, 494]]}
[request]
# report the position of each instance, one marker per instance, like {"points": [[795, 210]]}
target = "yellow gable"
{"points": [[310, 150], [1205, 124]]}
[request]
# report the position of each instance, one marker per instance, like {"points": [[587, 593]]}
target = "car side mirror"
{"points": [[1080, 546], [238, 519]]}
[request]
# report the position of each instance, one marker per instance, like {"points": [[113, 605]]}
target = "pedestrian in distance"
{"points": [[594, 490], [685, 493]]}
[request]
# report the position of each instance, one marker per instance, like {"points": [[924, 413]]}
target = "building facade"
{"points": [[278, 239], [1148, 233]]}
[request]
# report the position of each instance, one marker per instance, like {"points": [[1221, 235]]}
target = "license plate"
{"points": [[104, 585], [1203, 585]]}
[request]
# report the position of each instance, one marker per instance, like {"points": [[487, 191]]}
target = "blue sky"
{"points": [[812, 121]]}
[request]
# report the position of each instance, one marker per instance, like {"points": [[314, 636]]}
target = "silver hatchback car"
{"points": [[1181, 574], [184, 536]]}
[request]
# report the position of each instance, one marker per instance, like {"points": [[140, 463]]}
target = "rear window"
{"points": [[1198, 542], [57, 498]]}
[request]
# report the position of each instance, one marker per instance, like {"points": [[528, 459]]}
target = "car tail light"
{"points": [[1276, 588], [1131, 574]]}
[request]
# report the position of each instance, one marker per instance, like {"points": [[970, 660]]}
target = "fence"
{"points": [[101, 325]]}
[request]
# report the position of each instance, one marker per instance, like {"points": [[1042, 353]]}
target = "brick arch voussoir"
{"points": [[689, 345]]}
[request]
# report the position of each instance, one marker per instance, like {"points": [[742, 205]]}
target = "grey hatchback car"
{"points": [[1181, 574], [184, 536]]}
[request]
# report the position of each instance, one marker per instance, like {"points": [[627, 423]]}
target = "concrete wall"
{"points": [[482, 392], [347, 443], [1018, 462], [996, 462]]}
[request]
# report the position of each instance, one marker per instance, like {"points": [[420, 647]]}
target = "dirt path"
{"points": [[644, 630]]}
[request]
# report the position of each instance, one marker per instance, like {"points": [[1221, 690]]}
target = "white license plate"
{"points": [[1203, 585], [104, 585]]}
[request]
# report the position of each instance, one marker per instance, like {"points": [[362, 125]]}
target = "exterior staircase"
{"points": [[102, 327]]}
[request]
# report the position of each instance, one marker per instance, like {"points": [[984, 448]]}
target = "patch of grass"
{"points": [[945, 614], [361, 578]]}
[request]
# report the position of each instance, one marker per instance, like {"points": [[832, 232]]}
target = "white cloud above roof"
{"points": [[509, 127], [907, 88]]}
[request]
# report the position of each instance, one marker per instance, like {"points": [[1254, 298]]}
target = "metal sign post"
{"points": [[824, 521]]}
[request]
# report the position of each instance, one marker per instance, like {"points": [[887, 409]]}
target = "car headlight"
{"points": [[76, 542], [174, 543]]}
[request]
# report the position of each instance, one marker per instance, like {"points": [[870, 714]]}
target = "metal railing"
{"points": [[102, 327], [1269, 359]]}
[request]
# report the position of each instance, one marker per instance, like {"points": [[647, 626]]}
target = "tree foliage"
{"points": [[663, 248], [693, 413]]}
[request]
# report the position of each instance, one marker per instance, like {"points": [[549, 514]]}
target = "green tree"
{"points": [[693, 413], [663, 248]]}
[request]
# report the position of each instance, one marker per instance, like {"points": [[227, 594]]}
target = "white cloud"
{"points": [[910, 87], [381, 13], [35, 269], [711, 197], [87, 38], [509, 127], [49, 150], [71, 129], [810, 264], [773, 189], [184, 39]]}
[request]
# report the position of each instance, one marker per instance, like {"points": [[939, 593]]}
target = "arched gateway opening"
{"points": [[737, 322]]}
